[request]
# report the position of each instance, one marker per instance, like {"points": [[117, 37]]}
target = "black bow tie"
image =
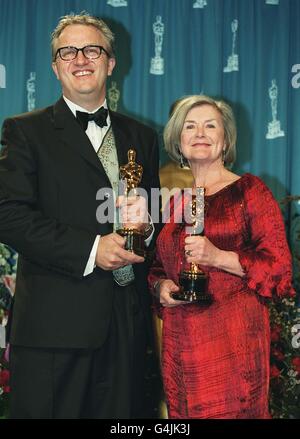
{"points": [[99, 117]]}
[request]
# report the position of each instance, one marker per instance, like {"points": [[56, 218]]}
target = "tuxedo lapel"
{"points": [[72, 134], [122, 142], [125, 140]]}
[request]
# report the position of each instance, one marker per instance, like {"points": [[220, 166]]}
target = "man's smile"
{"points": [[82, 73]]}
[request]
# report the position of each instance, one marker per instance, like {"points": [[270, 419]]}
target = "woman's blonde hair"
{"points": [[178, 113], [87, 20]]}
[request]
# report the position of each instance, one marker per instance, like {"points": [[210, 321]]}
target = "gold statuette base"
{"points": [[135, 241], [193, 288]]}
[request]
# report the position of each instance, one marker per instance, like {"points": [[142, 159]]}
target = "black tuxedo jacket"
{"points": [[49, 177]]}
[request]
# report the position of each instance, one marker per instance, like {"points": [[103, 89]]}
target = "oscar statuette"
{"points": [[192, 280], [131, 174]]}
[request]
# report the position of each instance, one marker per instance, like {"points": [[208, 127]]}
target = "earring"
{"points": [[223, 155], [181, 160]]}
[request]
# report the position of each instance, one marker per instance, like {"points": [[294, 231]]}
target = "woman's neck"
{"points": [[208, 175]]}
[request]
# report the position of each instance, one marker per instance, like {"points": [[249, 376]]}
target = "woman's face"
{"points": [[202, 135]]}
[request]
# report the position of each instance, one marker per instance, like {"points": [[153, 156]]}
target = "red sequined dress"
{"points": [[215, 360]]}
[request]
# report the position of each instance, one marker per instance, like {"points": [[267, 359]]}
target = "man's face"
{"points": [[83, 80]]}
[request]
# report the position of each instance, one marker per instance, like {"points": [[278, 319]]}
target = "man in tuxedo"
{"points": [[79, 321]]}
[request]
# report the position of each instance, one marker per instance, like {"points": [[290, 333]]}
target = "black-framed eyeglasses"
{"points": [[90, 52]]}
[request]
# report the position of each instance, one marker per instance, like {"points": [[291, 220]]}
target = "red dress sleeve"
{"points": [[157, 271], [267, 260]]}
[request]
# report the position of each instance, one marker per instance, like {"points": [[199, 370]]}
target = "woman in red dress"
{"points": [[215, 358]]}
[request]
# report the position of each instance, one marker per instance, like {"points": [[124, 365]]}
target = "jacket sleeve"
{"points": [[23, 226], [155, 208], [267, 259]]}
